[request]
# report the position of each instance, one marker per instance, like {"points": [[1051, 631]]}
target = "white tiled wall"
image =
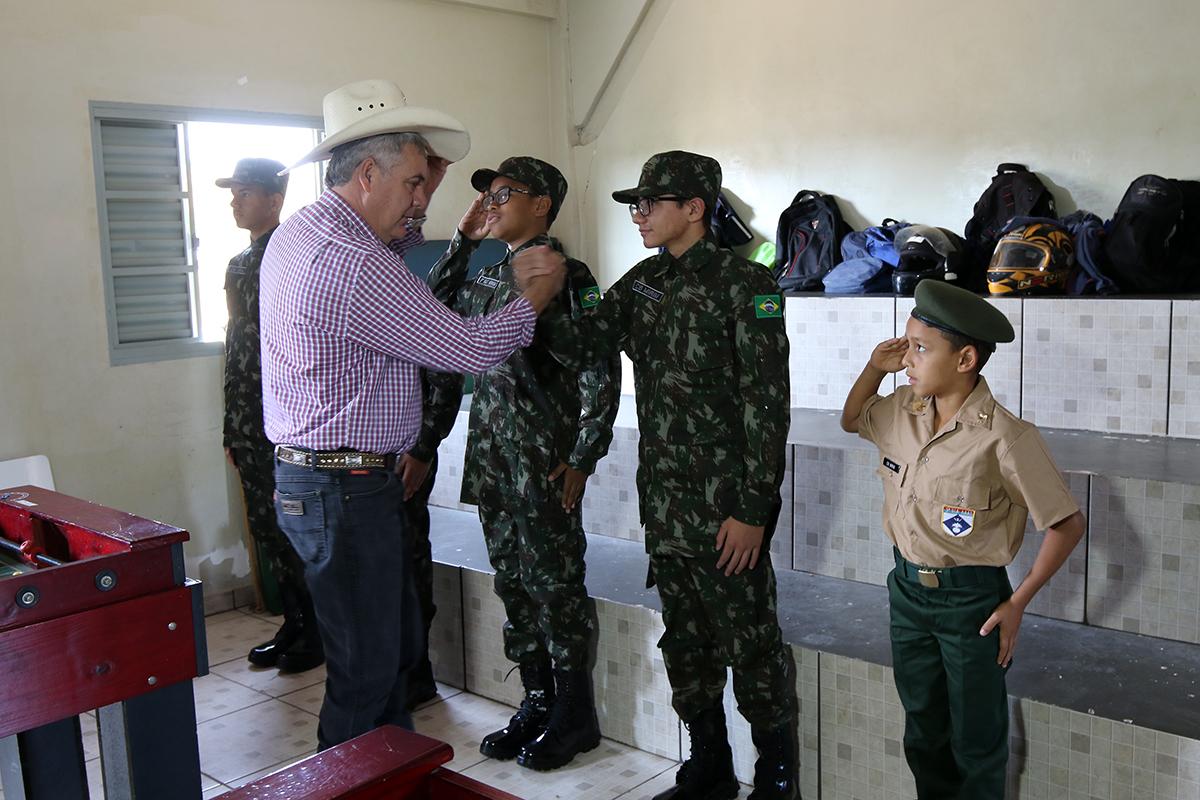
{"points": [[1063, 596], [446, 633], [1096, 364], [610, 502], [1185, 369], [838, 515], [633, 695], [831, 339], [1144, 557], [448, 484]]}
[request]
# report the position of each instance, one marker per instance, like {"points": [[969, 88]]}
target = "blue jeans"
{"points": [[350, 532]]}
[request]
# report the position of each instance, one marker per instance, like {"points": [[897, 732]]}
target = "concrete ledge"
{"points": [[1124, 677]]}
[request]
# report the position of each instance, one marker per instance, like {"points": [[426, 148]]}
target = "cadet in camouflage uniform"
{"points": [[257, 199], [537, 430], [704, 329]]}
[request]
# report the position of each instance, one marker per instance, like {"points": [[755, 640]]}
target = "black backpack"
{"points": [[1151, 242], [727, 227], [1013, 192], [807, 241]]}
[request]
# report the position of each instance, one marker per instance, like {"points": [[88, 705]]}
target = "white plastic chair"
{"points": [[28, 471]]}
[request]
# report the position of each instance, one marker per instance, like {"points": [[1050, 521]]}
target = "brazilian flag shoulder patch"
{"points": [[768, 306], [589, 297]]}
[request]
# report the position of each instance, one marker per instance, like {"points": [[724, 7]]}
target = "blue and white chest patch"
{"points": [[958, 521], [490, 283]]}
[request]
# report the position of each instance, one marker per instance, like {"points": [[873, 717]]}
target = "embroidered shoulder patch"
{"points": [[768, 306], [589, 297]]}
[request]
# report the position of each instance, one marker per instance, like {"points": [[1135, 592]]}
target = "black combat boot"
{"points": [[267, 654], [538, 679], [777, 770], [708, 772], [306, 651], [572, 728]]}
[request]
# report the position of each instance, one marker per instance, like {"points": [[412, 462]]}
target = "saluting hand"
{"points": [[888, 355], [1008, 616], [739, 544], [573, 484], [474, 224]]}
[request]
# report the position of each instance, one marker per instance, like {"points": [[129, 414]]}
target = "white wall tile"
{"points": [[831, 339], [1096, 364], [1185, 369]]}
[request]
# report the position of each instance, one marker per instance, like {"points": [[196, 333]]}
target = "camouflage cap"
{"points": [[950, 308], [262, 172], [677, 173], [540, 177]]}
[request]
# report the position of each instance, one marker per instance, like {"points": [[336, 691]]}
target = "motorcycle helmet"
{"points": [[925, 252], [1033, 257]]}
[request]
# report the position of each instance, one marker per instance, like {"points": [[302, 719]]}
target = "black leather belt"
{"points": [[333, 459], [947, 577]]}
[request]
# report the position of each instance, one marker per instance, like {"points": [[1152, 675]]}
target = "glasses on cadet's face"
{"points": [[502, 195], [646, 205]]}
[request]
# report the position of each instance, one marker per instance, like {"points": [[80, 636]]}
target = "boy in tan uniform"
{"points": [[961, 474]]}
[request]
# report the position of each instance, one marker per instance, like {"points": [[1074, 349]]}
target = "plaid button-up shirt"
{"points": [[346, 328]]}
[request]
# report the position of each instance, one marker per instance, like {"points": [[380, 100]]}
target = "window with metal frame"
{"points": [[148, 240]]}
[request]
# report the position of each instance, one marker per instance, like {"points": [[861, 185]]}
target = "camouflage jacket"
{"points": [[243, 426], [531, 403], [706, 336]]}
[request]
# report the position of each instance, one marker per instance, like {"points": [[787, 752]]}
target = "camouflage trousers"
{"points": [[537, 551], [256, 468], [416, 509], [714, 622]]}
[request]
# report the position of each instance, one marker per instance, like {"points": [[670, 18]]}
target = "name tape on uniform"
{"points": [[648, 291], [490, 283]]}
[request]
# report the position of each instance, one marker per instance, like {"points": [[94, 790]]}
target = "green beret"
{"points": [[949, 308]]}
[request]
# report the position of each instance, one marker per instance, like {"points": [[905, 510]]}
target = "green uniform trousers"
{"points": [[537, 551], [714, 622], [952, 689]]}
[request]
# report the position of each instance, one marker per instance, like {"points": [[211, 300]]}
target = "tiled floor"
{"points": [[252, 722]]}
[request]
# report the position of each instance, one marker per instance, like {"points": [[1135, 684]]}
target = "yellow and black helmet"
{"points": [[1031, 259]]}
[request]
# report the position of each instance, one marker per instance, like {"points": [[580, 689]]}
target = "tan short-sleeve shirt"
{"points": [[961, 496]]}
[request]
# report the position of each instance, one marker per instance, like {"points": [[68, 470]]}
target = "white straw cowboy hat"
{"points": [[369, 108]]}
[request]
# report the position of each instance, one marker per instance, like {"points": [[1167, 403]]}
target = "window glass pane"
{"points": [[214, 149]]}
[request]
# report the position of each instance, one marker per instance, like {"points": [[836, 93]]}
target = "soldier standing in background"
{"points": [[537, 430], [258, 193]]}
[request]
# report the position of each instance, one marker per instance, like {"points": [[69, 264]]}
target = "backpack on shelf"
{"points": [[807, 241], [868, 257], [1151, 242], [1090, 276], [1013, 192], [727, 227]]}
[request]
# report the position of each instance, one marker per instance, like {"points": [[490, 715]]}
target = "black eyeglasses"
{"points": [[502, 195], [646, 205]]}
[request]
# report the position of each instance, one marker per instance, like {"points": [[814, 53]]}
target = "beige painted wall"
{"points": [[901, 109], [147, 438]]}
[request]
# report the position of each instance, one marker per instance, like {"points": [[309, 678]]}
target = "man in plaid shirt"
{"points": [[346, 329]]}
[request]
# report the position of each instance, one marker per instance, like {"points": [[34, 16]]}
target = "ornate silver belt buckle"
{"points": [[928, 578], [354, 460]]}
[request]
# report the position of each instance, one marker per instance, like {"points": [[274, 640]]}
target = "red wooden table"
{"points": [[96, 613]]}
